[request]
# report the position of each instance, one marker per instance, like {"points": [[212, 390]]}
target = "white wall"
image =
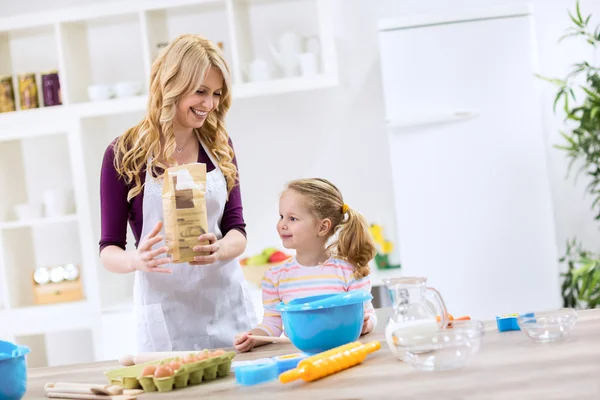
{"points": [[339, 133]]}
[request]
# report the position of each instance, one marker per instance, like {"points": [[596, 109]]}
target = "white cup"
{"points": [[308, 64], [57, 202]]}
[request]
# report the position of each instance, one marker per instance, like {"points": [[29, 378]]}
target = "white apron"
{"points": [[196, 306]]}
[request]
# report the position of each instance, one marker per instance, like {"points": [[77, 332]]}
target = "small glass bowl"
{"points": [[440, 350], [548, 326]]}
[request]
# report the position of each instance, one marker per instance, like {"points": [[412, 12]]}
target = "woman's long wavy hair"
{"points": [[178, 71], [354, 242]]}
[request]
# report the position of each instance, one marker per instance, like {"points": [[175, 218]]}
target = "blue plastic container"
{"points": [[320, 323], [256, 372], [510, 322], [13, 371], [507, 322], [289, 361]]}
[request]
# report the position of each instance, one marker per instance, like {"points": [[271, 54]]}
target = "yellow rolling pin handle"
{"points": [[330, 362]]}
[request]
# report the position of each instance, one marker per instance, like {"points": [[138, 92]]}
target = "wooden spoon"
{"points": [[88, 396], [273, 339], [83, 388]]}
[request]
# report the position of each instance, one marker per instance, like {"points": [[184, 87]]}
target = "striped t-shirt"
{"points": [[290, 280]]}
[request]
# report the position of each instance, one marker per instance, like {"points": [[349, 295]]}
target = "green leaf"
{"points": [[575, 20], [594, 282], [578, 12], [570, 115], [567, 35], [572, 93], [568, 138], [554, 81], [594, 95], [557, 146], [557, 98]]}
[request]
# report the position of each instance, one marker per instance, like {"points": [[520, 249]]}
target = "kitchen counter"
{"points": [[508, 366]]}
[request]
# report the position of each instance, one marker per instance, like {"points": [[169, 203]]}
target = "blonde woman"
{"points": [[179, 306]]}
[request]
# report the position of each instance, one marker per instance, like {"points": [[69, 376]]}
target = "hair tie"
{"points": [[345, 208]]}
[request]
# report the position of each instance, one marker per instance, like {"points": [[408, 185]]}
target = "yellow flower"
{"points": [[387, 247], [377, 233]]}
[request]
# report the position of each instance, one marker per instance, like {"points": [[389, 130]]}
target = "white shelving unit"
{"points": [[62, 146]]}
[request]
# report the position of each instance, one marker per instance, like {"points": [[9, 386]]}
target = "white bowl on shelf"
{"points": [[28, 211], [101, 92], [128, 89]]}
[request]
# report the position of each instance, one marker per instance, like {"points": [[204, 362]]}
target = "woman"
{"points": [[179, 306]]}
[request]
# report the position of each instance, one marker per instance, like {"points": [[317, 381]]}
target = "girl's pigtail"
{"points": [[355, 243]]}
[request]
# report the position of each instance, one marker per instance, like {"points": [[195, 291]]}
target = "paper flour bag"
{"points": [[184, 209]]}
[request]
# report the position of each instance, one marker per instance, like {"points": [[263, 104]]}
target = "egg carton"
{"points": [[189, 374]]}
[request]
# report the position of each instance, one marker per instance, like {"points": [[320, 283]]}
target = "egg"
{"points": [[163, 371], [175, 365], [217, 353], [149, 370], [202, 356], [190, 358]]}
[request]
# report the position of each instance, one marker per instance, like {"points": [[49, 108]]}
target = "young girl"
{"points": [[311, 211]]}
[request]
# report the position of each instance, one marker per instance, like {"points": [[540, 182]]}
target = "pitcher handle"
{"points": [[441, 306]]}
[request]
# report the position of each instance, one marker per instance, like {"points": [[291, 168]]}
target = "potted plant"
{"points": [[581, 281]]}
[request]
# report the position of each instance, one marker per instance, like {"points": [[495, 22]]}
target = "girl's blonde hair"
{"points": [[179, 70], [354, 243]]}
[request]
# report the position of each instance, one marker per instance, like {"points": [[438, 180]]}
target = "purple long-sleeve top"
{"points": [[116, 211]]}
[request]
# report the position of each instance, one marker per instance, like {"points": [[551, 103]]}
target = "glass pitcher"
{"points": [[413, 309]]}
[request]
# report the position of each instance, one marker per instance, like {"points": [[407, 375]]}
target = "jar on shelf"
{"points": [[7, 94], [57, 284], [51, 88], [28, 91]]}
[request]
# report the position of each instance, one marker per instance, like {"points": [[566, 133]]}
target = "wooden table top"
{"points": [[508, 366]]}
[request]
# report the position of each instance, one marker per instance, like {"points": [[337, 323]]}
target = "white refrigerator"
{"points": [[471, 187]]}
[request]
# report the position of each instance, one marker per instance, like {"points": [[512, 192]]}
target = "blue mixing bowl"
{"points": [[13, 371], [320, 323]]}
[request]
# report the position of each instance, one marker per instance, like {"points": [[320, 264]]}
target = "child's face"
{"points": [[297, 227]]}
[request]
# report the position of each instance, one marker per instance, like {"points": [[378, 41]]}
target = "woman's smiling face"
{"points": [[193, 109]]}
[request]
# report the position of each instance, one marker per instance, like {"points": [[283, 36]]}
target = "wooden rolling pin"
{"points": [[142, 358]]}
